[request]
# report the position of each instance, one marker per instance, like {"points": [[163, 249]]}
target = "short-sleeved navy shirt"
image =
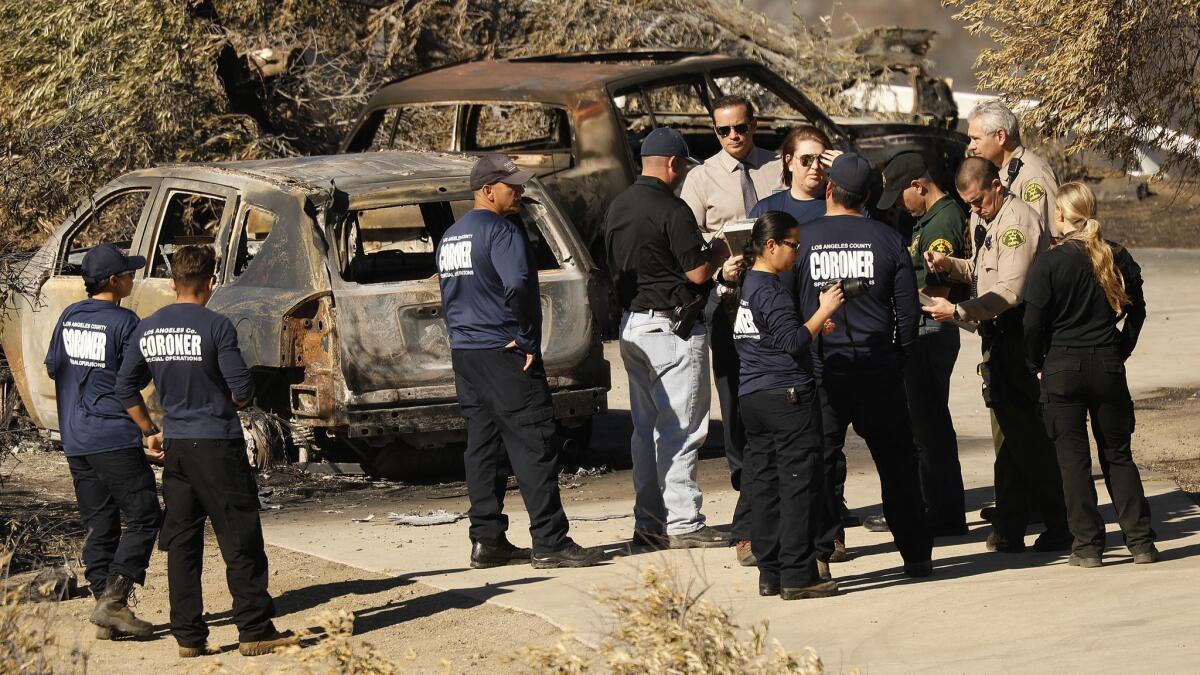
{"points": [[872, 330], [772, 343], [489, 282], [803, 210], [85, 353], [192, 355]]}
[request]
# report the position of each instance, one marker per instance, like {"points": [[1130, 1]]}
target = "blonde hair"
{"points": [[1078, 206]]}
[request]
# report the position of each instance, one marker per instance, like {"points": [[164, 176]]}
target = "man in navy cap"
{"points": [[112, 477], [861, 361], [661, 271], [492, 306]]}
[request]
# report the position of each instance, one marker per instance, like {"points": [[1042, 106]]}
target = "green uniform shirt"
{"points": [[940, 229]]}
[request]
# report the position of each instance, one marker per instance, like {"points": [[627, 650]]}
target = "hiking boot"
{"points": [[1147, 556], [1053, 542], [821, 589], [1001, 545], [655, 540], [484, 555], [918, 569], [705, 537], [569, 555], [112, 609], [193, 652], [823, 570], [768, 588], [745, 555], [1077, 560], [267, 644], [839, 552], [875, 524]]}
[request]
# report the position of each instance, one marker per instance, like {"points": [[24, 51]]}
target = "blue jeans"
{"points": [[669, 398]]}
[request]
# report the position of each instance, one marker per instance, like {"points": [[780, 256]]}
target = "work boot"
{"points": [[484, 555], [655, 540], [1077, 560], [112, 608], [705, 537], [839, 551], [193, 652], [745, 555], [268, 644], [768, 588], [920, 569], [1146, 556], [821, 589], [1053, 542], [823, 570], [569, 555], [997, 543], [875, 524]]}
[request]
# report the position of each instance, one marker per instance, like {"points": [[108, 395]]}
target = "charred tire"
{"points": [[576, 443]]}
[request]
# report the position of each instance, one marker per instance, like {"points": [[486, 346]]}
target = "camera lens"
{"points": [[855, 287]]}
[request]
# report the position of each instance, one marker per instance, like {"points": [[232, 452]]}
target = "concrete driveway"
{"points": [[979, 612]]}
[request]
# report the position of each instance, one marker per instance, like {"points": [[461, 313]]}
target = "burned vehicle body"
{"points": [[326, 268], [578, 120]]}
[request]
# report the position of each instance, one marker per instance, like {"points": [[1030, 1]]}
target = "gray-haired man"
{"points": [[996, 136]]}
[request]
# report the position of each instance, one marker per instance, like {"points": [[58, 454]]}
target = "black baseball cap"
{"points": [[851, 172], [899, 174], [105, 260], [492, 169], [666, 142]]}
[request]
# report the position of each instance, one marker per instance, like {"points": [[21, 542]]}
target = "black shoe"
{"points": [[987, 512], [570, 555], [821, 589], [875, 524], [705, 537], [1001, 545], [1084, 561], [1146, 556], [768, 588], [484, 555], [1053, 542], [851, 520], [918, 569], [655, 540], [950, 530]]}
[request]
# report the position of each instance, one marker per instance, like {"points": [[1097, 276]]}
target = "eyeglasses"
{"points": [[810, 160], [794, 245], [742, 129]]}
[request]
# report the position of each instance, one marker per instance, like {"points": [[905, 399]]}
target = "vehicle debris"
{"points": [[438, 517]]}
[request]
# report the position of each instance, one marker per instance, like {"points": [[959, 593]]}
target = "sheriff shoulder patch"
{"points": [[1033, 192], [942, 246], [1012, 238]]}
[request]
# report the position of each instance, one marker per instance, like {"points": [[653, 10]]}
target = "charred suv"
{"points": [[326, 267], [578, 120]]}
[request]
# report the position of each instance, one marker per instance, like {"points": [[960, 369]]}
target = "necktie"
{"points": [[749, 196]]}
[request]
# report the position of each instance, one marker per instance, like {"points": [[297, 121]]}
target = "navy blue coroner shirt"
{"points": [[489, 283], [772, 342], [192, 354], [83, 359], [872, 330]]}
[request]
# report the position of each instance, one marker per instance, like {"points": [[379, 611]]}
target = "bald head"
{"points": [[669, 170], [975, 172]]}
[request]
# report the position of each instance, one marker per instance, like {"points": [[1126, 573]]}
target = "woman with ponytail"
{"points": [[784, 472], [1076, 295]]}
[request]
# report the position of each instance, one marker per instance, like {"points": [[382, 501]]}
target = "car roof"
{"points": [[562, 79]]}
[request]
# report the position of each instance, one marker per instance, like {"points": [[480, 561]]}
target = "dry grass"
{"points": [[28, 643]]}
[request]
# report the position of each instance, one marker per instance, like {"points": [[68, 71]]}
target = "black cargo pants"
{"points": [[110, 487], [785, 478], [208, 478], [509, 412], [1078, 382], [726, 371], [1026, 471], [875, 403]]}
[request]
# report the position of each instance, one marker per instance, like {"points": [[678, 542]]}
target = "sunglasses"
{"points": [[810, 160], [794, 245], [742, 129]]}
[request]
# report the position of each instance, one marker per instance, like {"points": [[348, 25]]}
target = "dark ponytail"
{"points": [[770, 225]]}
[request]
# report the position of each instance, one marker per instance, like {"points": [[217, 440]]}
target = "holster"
{"points": [[683, 317]]}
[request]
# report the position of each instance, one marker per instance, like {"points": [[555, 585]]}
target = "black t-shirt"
{"points": [[652, 239], [1065, 305], [772, 343], [192, 354], [83, 359], [874, 329]]}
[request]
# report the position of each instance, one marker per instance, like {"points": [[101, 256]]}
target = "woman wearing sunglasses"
{"points": [[789, 494], [1076, 294], [806, 155]]}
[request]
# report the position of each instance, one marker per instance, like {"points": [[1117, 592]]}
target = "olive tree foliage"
{"points": [[1108, 75]]}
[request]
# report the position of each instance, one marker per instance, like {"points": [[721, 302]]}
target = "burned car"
{"points": [[578, 120], [326, 268]]}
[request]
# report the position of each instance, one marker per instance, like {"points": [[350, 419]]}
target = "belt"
{"points": [[654, 313]]}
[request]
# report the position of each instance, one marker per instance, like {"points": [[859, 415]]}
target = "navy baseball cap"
{"points": [[105, 260], [899, 174], [851, 172], [492, 169], [666, 142]]}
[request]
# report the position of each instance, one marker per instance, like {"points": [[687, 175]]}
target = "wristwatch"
{"points": [[153, 430], [957, 314]]}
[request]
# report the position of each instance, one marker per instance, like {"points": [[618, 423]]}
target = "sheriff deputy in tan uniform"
{"points": [[1008, 237], [996, 136]]}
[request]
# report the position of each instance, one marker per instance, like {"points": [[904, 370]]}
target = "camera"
{"points": [[854, 287]]}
